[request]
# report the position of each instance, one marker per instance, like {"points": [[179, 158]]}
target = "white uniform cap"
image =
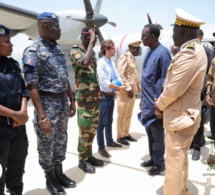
{"points": [[185, 19]]}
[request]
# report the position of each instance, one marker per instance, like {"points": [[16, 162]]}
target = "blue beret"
{"points": [[4, 31], [47, 16]]}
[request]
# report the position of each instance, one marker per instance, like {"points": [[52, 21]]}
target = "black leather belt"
{"points": [[6, 120], [107, 93], [51, 94]]}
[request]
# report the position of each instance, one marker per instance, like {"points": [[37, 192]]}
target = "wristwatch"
{"points": [[72, 99], [207, 93]]}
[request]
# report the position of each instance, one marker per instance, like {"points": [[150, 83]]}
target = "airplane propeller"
{"points": [[150, 22], [93, 19]]}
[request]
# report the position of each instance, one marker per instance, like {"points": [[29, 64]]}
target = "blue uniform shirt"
{"points": [[45, 65], [154, 72]]}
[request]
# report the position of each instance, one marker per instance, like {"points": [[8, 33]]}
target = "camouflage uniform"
{"points": [[88, 100], [45, 64]]}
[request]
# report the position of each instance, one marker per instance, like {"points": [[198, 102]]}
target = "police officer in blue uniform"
{"points": [[47, 81], [13, 116]]}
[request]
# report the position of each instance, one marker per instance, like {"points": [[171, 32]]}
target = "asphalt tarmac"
{"points": [[122, 173]]}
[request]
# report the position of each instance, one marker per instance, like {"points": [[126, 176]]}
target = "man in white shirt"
{"points": [[107, 74]]}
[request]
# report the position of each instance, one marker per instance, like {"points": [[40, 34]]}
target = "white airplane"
{"points": [[72, 21]]}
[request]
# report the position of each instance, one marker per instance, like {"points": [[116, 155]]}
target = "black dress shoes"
{"points": [[95, 162], [210, 137], [130, 138], [62, 179], [104, 153], [86, 167], [196, 155], [123, 141], [114, 145], [148, 163], [155, 170]]}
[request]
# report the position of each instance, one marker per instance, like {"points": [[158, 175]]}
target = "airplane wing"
{"points": [[17, 19]]}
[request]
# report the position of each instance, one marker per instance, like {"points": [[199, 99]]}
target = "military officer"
{"points": [[13, 116], [88, 98], [127, 71], [47, 81], [180, 101]]}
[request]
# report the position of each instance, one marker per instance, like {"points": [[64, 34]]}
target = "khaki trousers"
{"points": [[125, 110], [177, 146]]}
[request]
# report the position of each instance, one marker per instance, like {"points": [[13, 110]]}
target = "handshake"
{"points": [[118, 86]]}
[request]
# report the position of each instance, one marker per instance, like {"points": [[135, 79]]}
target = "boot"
{"points": [[52, 184], [14, 193], [62, 178]]}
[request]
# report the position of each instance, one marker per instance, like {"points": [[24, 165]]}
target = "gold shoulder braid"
{"points": [[191, 45]]}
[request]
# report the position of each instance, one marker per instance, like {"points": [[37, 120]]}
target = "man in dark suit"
{"points": [[199, 138]]}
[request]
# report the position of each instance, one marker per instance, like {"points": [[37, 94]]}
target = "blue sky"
{"points": [[130, 15]]}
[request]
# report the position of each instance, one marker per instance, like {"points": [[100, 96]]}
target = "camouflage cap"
{"points": [[85, 30]]}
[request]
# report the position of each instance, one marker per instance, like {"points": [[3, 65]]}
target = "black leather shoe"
{"points": [[148, 163], [95, 162], [202, 144], [123, 141], [114, 145], [104, 153], [13, 193], [62, 179], [210, 137], [86, 167], [155, 170], [130, 138], [53, 185], [196, 155]]}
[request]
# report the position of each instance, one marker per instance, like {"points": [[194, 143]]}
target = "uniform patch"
{"points": [[29, 61], [191, 45], [2, 31], [77, 56]]}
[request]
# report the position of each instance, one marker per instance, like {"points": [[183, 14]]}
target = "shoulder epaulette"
{"points": [[191, 45], [32, 48], [75, 46]]}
